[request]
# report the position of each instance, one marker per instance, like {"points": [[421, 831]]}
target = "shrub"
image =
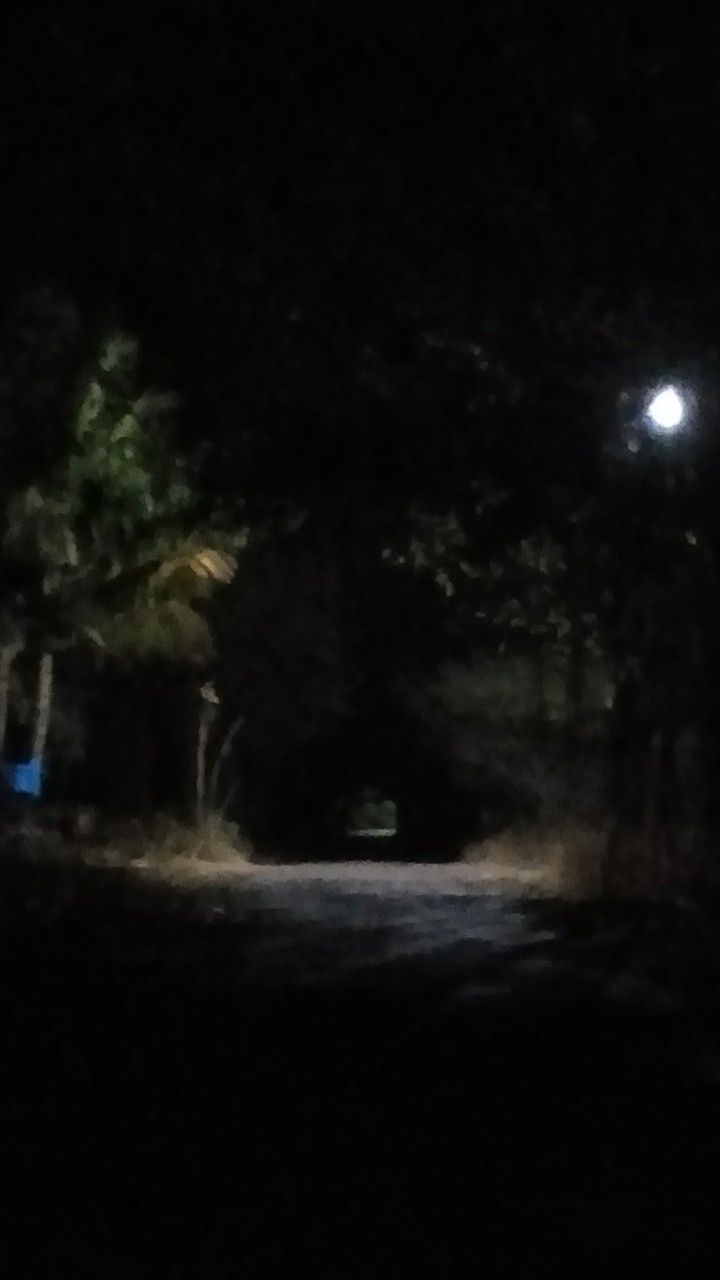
{"points": [[165, 840]]}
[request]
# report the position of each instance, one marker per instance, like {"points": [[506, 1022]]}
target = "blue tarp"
{"points": [[24, 779]]}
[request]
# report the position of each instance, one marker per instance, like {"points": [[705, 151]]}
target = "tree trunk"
{"points": [[540, 709], [575, 685], [43, 707], [206, 716], [220, 806], [577, 593], [8, 654]]}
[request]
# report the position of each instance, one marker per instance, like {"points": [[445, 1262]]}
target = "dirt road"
{"points": [[383, 1067]]}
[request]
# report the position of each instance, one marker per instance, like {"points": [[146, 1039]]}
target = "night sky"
{"points": [[257, 187]]}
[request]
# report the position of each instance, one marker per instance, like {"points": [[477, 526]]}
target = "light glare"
{"points": [[667, 409]]}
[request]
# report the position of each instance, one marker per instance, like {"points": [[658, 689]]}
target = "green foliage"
{"points": [[520, 596], [372, 812], [511, 595], [116, 480], [165, 629], [101, 544]]}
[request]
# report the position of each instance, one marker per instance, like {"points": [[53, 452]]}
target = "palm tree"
{"points": [[106, 551]]}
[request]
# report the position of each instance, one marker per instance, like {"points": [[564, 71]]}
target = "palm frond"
{"points": [[189, 575], [168, 629], [193, 571]]}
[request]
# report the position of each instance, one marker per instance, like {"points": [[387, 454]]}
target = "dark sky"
{"points": [[223, 171]]}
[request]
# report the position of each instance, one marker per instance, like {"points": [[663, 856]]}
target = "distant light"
{"points": [[372, 833], [667, 409]]}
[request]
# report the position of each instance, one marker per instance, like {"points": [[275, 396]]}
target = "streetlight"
{"points": [[666, 410]]}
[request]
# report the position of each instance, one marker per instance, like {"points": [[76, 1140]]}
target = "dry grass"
{"points": [[566, 860], [580, 861], [165, 843]]}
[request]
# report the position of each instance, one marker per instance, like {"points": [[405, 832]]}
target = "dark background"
{"points": [[257, 187], [284, 201], [383, 257]]}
